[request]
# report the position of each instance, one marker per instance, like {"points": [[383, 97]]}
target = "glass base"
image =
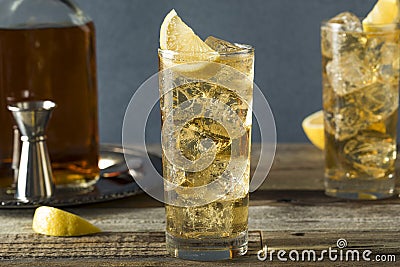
{"points": [[207, 249], [361, 189]]}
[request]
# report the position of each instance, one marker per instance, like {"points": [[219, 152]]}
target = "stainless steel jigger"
{"points": [[34, 181]]}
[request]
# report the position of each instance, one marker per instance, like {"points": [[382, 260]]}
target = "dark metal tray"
{"points": [[115, 181]]}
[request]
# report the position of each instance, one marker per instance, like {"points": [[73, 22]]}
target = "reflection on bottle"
{"points": [[16, 152]]}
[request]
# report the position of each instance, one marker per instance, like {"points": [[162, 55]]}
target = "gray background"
{"points": [[285, 34]]}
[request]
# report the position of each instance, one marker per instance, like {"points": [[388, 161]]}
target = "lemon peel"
{"points": [[55, 222]]}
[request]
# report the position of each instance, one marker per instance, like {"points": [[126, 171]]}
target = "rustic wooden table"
{"points": [[288, 212]]}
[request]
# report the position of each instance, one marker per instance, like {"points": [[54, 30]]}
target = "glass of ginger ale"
{"points": [[206, 99], [360, 70]]}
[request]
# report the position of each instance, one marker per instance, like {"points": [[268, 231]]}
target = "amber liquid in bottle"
{"points": [[58, 64]]}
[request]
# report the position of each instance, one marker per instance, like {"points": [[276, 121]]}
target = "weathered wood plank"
{"points": [[283, 217], [386, 242], [148, 249], [132, 245], [174, 263], [295, 167]]}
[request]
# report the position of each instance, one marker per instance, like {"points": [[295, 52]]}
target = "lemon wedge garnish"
{"points": [[313, 126], [384, 12], [56, 222], [176, 36]]}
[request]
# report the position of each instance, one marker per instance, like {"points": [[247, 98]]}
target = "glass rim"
{"points": [[246, 49], [377, 28]]}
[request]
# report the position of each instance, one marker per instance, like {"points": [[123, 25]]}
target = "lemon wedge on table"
{"points": [[56, 222], [313, 126], [176, 36], [384, 12]]}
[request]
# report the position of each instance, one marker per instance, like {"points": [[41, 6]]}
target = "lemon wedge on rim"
{"points": [[175, 35], [178, 37], [313, 126], [56, 222], [384, 12]]}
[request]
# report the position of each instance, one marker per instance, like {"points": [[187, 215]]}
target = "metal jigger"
{"points": [[34, 181]]}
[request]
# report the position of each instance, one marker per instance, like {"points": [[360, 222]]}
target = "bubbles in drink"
{"points": [[344, 121], [216, 220], [348, 73], [378, 101], [371, 153], [193, 135], [384, 57]]}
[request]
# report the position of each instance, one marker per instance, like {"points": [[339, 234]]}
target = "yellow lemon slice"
{"points": [[384, 12], [56, 222], [313, 126], [176, 36]]}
